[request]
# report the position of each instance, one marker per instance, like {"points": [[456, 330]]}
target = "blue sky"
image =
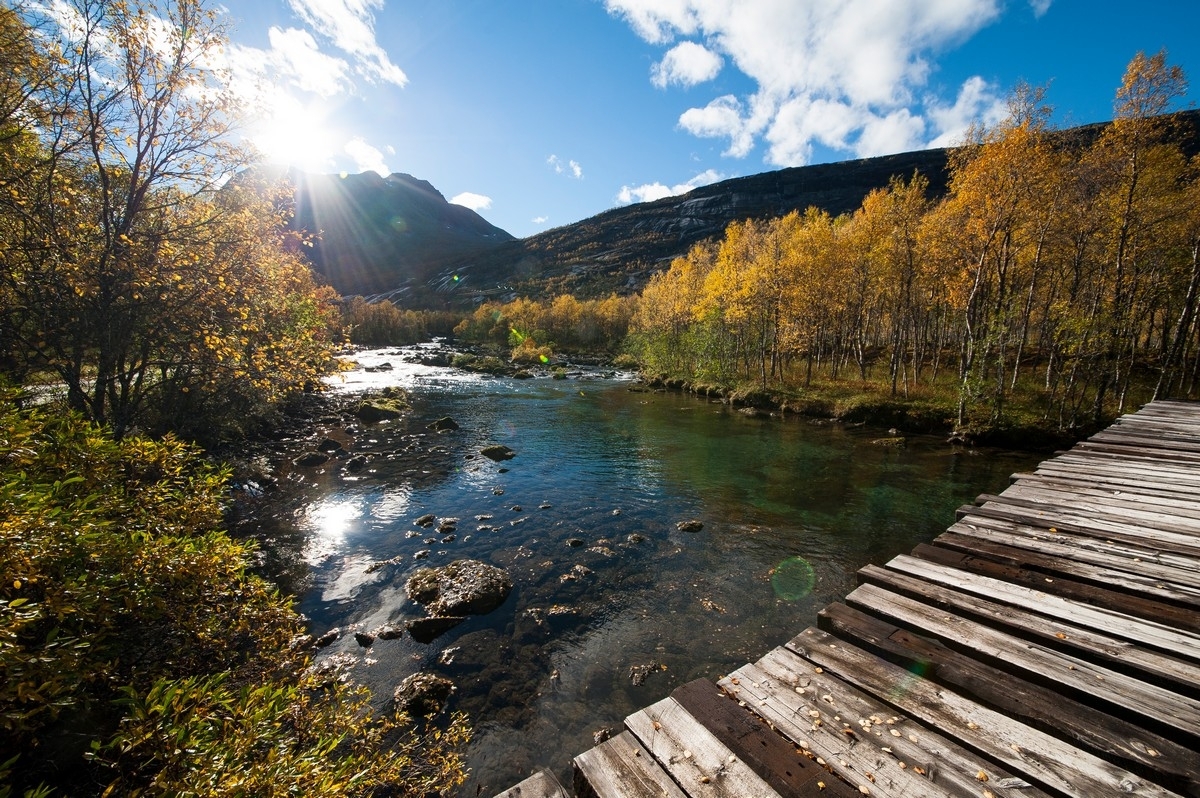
{"points": [[539, 113]]}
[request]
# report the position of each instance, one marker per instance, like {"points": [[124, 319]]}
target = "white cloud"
{"points": [[648, 192], [366, 158], [849, 74], [350, 25], [1040, 7], [977, 101], [540, 219], [476, 202], [570, 167], [721, 118], [686, 64]]}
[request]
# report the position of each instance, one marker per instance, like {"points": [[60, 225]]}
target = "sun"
{"points": [[295, 134]]}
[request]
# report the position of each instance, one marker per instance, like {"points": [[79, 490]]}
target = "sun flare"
{"points": [[294, 134]]}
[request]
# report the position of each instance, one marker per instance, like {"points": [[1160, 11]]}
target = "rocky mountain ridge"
{"points": [[398, 236]]}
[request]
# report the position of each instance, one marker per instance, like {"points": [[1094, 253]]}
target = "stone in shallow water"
{"points": [[423, 694], [426, 630], [498, 452], [464, 587]]}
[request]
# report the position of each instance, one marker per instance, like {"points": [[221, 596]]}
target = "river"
{"points": [[613, 604]]}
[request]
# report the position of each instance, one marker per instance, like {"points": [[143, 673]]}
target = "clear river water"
{"points": [[613, 604]]}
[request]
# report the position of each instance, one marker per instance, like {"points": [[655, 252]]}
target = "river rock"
{"points": [[327, 638], [388, 405], [498, 452], [364, 639], [426, 520], [423, 694], [464, 587], [310, 459], [690, 526], [443, 424], [388, 631], [330, 445], [426, 630]]}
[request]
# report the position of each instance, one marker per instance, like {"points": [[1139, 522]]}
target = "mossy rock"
{"points": [[380, 409]]}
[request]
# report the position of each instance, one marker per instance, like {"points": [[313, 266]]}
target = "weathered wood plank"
{"points": [[1172, 714], [1138, 630], [1183, 543], [694, 757], [1062, 577], [1051, 493], [1152, 570], [1150, 471], [621, 768], [1034, 755], [1183, 520], [1128, 745], [540, 785], [925, 766], [1069, 480], [774, 758], [1178, 675]]}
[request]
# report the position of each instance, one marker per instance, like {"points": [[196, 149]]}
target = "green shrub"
{"points": [[135, 648]]}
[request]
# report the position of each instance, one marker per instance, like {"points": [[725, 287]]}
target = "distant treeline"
{"points": [[1059, 272]]}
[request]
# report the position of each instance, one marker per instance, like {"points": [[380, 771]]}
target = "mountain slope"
{"points": [[379, 234], [398, 236]]}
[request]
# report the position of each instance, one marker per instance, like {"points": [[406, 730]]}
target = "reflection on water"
{"points": [[614, 604]]}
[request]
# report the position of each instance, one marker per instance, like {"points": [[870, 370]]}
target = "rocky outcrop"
{"points": [[464, 587]]}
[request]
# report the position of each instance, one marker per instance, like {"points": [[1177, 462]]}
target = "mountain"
{"points": [[399, 237], [377, 234]]}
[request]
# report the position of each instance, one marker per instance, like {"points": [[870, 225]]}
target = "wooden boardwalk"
{"points": [[1048, 644]]}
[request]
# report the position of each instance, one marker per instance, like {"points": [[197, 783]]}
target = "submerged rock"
{"points": [[309, 459], [423, 694], [426, 630], [464, 587], [498, 452], [388, 631]]}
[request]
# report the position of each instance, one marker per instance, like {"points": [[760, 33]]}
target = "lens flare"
{"points": [[793, 579]]}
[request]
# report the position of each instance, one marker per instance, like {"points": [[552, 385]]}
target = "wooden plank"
{"points": [[1106, 471], [1147, 440], [1128, 745], [775, 759], [1138, 630], [1096, 646], [810, 708], [540, 785], [1159, 573], [1119, 451], [692, 755], [1061, 577], [1174, 715], [1184, 519], [1188, 545], [1048, 492], [1069, 479], [1034, 755], [621, 768], [1155, 470]]}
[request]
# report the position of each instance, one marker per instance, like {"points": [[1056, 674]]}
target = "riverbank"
{"points": [[926, 414]]}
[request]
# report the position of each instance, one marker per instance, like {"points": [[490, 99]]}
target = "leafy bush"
{"points": [[137, 651]]}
